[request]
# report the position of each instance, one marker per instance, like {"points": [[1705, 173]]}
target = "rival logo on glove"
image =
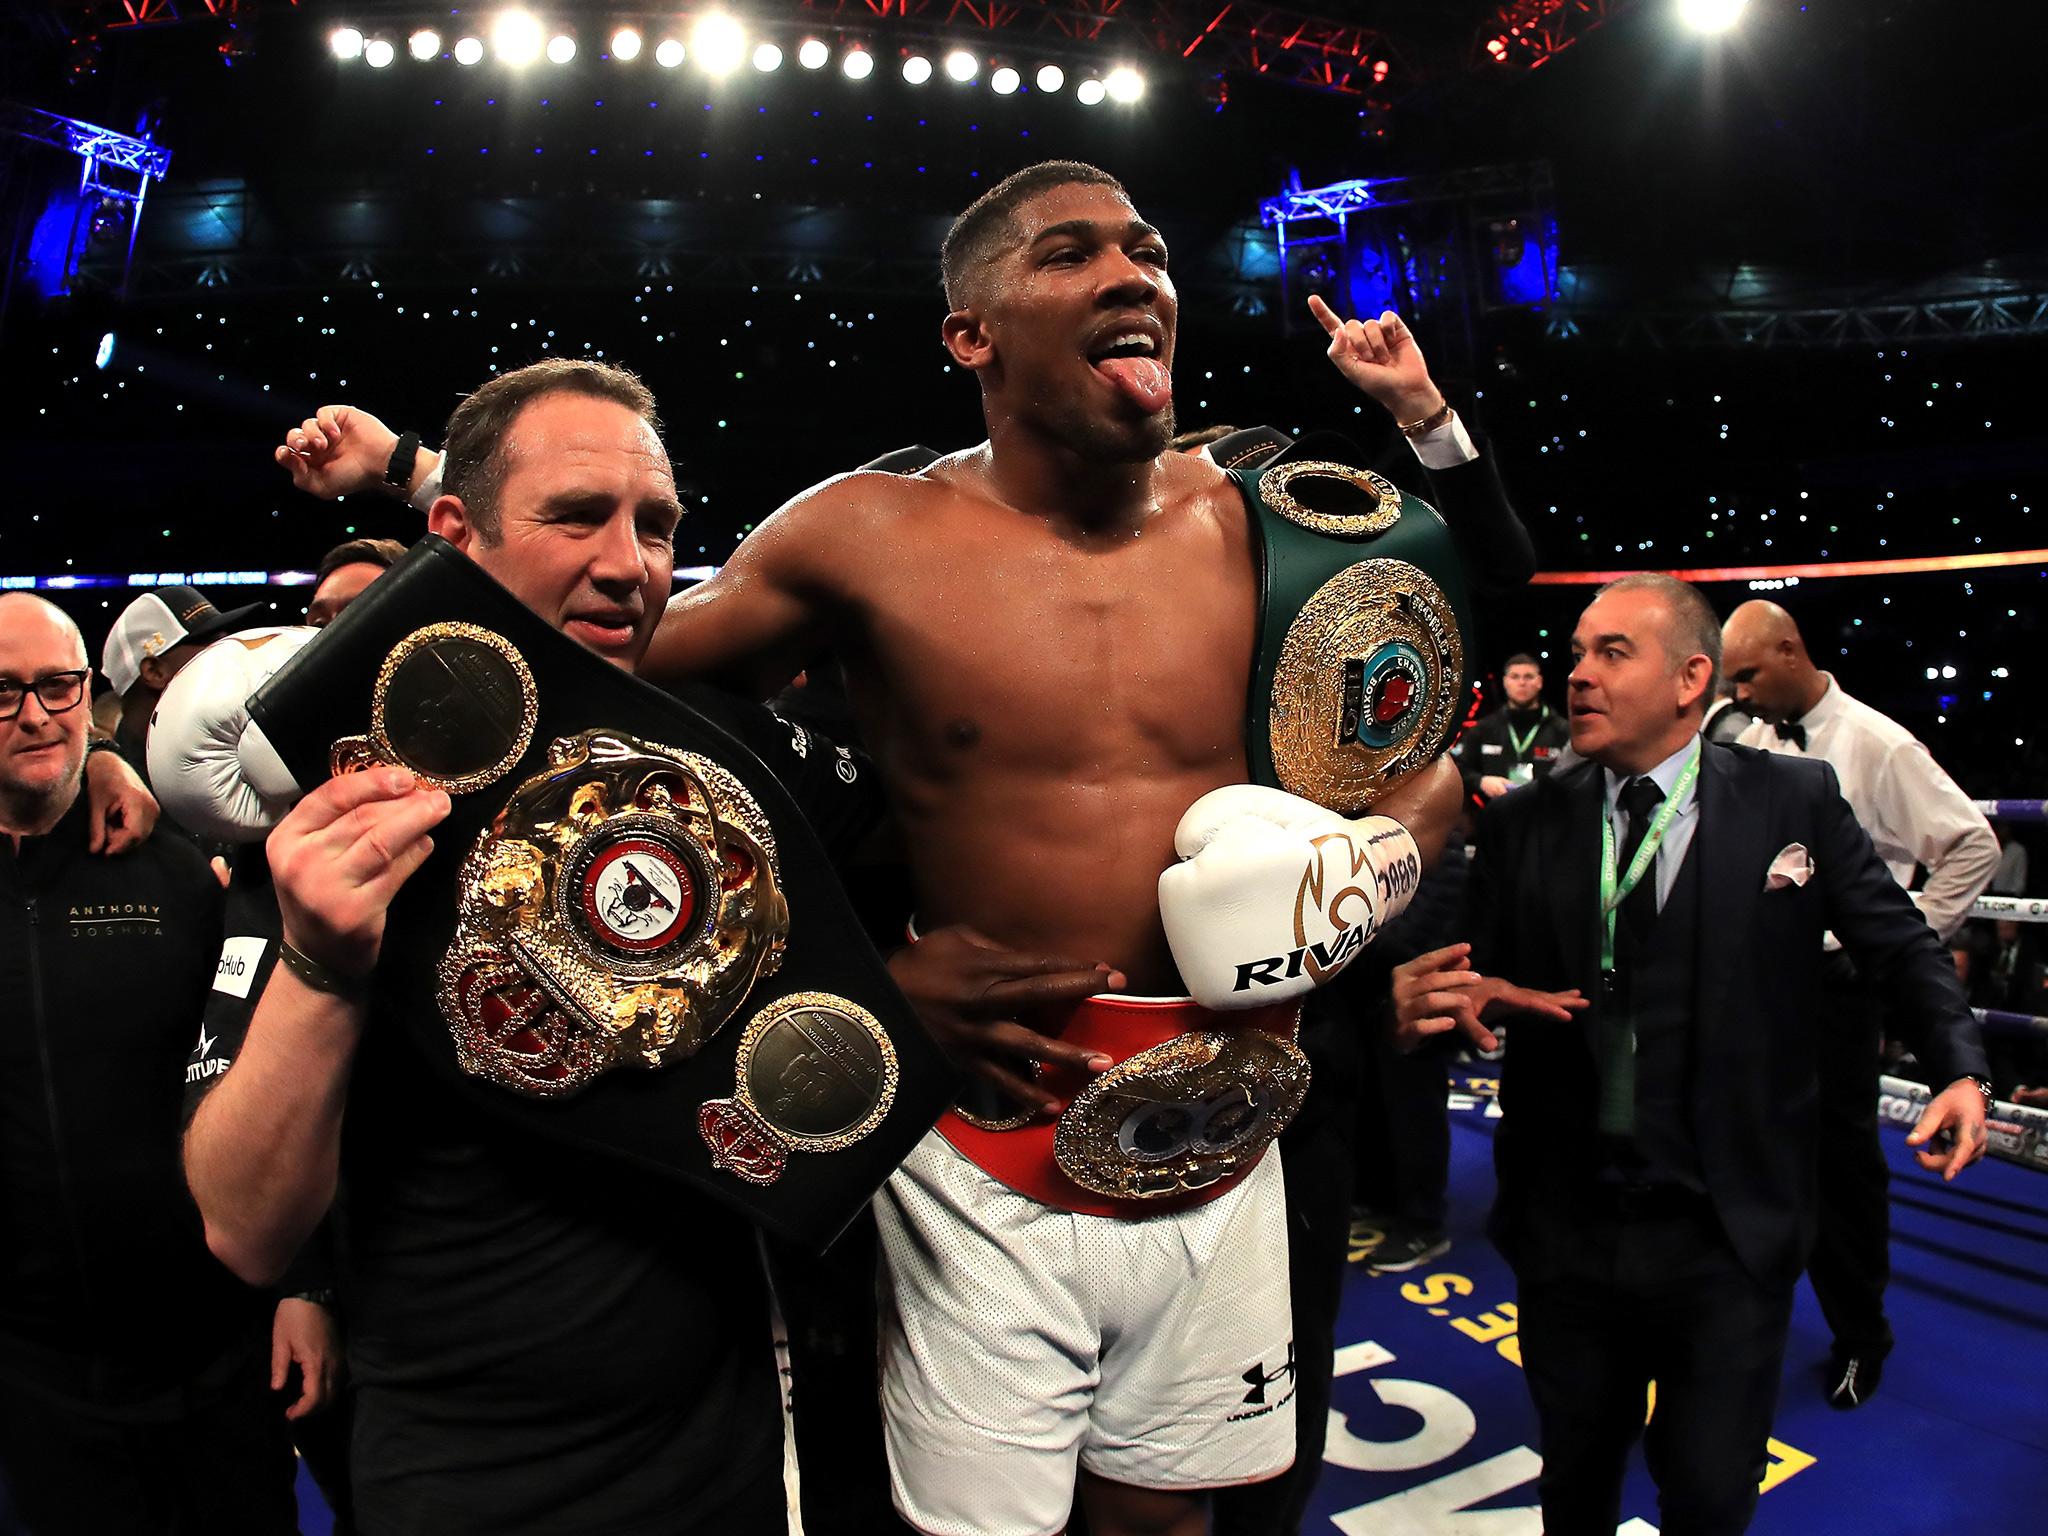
{"points": [[1387, 884]]}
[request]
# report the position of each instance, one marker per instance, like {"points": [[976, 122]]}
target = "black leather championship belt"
{"points": [[1359, 675], [628, 938]]}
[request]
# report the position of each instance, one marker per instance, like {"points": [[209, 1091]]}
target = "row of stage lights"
{"points": [[719, 45]]}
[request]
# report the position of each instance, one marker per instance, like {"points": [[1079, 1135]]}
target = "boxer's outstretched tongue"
{"points": [[1144, 381]]}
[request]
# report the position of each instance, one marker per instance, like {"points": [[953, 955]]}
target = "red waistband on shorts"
{"points": [[1119, 1028]]}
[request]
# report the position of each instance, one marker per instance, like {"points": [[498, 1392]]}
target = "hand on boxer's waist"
{"points": [[1439, 991], [1275, 895], [968, 991]]}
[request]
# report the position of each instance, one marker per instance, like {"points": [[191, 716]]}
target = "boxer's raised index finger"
{"points": [[1326, 317]]}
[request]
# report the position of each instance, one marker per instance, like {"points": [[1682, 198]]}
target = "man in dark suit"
{"points": [[1657, 1149]]}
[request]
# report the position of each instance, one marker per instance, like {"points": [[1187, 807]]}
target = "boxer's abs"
{"points": [[1045, 708], [1063, 867]]}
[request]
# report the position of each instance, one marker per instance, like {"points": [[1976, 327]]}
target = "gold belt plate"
{"points": [[1182, 1114], [454, 703], [1366, 687], [814, 1072], [617, 912]]}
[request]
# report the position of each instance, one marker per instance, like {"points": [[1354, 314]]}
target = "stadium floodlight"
{"points": [[917, 69], [378, 52], [719, 43], [1124, 84], [962, 66], [561, 48], [668, 53], [1050, 78], [423, 44], [813, 54], [1005, 80], [1089, 92], [1711, 15], [625, 45], [345, 43], [767, 58], [858, 64], [469, 50], [517, 38]]}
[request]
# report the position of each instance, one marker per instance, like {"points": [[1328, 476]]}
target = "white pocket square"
{"points": [[1792, 866]]}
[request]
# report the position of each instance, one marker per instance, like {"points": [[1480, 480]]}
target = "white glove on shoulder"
{"points": [[1275, 895], [211, 765]]}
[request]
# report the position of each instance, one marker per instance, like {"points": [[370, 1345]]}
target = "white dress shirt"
{"points": [[1444, 447], [1914, 812], [1677, 835]]}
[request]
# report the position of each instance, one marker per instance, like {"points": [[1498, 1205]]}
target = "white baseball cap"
{"points": [[158, 620]]}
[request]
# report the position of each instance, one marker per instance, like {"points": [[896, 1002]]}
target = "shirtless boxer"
{"points": [[1048, 640]]}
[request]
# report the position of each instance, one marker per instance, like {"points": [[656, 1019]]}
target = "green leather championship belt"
{"points": [[627, 939], [1359, 672]]}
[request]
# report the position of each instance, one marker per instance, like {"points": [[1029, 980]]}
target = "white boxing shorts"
{"points": [[1021, 1341]]}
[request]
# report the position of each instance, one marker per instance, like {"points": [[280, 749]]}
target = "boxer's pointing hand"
{"points": [[969, 990], [1381, 358], [340, 857]]}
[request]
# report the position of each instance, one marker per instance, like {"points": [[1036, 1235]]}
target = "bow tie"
{"points": [[1791, 731]]}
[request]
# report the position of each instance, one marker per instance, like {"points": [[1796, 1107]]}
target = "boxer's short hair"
{"points": [[475, 465], [1521, 659], [989, 220]]}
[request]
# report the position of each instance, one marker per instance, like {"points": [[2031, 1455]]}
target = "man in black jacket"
{"points": [[537, 1343], [1517, 742], [1657, 1152], [133, 1366]]}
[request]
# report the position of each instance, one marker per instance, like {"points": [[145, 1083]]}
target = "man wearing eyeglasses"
{"points": [[133, 1366]]}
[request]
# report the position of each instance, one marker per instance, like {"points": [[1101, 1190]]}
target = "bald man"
{"points": [[133, 1367], [1916, 818]]}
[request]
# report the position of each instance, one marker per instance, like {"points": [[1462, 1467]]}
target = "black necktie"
{"points": [[1792, 731], [1617, 1046], [1640, 798]]}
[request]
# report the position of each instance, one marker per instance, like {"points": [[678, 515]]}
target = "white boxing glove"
{"points": [[211, 765], [1275, 895]]}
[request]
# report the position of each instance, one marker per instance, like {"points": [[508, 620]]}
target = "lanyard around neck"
{"points": [[1613, 891], [1524, 742]]}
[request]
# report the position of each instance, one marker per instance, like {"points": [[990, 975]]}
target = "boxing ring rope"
{"points": [[2014, 909], [1997, 1021], [2016, 1133], [2013, 810]]}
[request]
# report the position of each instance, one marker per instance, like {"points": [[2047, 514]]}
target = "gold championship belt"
{"points": [[1194, 1099], [1359, 676], [1184, 1114], [627, 938], [615, 913]]}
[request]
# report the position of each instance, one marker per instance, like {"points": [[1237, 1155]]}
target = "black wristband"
{"points": [[399, 471], [321, 978]]}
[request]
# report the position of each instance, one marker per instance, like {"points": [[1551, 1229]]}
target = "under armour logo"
{"points": [[1258, 1378]]}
